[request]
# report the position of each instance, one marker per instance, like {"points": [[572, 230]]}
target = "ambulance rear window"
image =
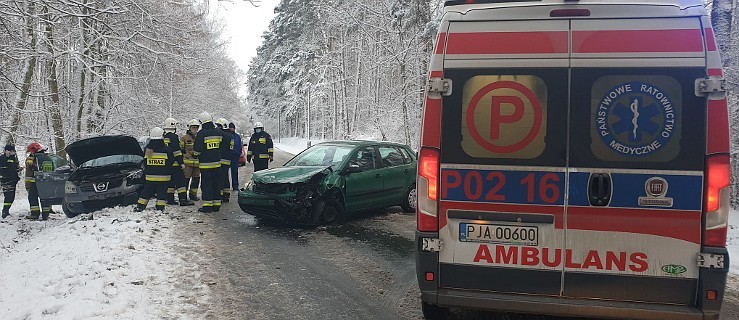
{"points": [[506, 117], [640, 118], [636, 118]]}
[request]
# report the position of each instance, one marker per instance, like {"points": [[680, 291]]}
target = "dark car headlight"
{"points": [[134, 178], [70, 187]]}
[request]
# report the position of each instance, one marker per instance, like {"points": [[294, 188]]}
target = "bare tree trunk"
{"points": [[56, 117], [28, 75]]}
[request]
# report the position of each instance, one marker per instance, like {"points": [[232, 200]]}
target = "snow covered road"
{"points": [[186, 265]]}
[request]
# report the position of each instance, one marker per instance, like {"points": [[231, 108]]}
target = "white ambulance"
{"points": [[574, 161]]}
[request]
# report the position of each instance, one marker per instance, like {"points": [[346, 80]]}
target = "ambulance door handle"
{"points": [[599, 189]]}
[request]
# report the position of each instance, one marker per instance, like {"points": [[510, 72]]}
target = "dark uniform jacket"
{"points": [[227, 147], [31, 169], [186, 145], [172, 141], [260, 146], [208, 146], [9, 169], [158, 160]]}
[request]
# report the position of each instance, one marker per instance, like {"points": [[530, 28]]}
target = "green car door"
{"points": [[364, 188], [397, 172]]}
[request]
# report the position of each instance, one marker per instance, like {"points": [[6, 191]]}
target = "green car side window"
{"points": [[365, 158]]}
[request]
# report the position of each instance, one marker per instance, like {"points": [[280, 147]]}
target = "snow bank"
{"points": [[294, 145], [119, 265], [733, 241]]}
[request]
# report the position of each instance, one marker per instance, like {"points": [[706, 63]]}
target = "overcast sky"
{"points": [[244, 25]]}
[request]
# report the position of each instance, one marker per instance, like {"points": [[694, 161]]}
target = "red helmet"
{"points": [[33, 147]]}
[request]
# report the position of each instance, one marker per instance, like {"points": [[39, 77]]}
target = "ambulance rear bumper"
{"points": [[563, 306]]}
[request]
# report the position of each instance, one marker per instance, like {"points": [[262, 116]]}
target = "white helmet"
{"points": [[258, 125], [193, 123], [222, 122], [205, 117], [156, 133], [170, 124]]}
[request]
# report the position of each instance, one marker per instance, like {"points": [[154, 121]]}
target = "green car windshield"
{"points": [[321, 156]]}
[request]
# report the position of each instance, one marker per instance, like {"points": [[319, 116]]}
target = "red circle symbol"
{"points": [[526, 92]]}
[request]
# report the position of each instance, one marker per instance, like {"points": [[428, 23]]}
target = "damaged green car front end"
{"points": [[291, 194]]}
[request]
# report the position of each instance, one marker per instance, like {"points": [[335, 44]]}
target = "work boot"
{"points": [[186, 203], [226, 198], [45, 216], [194, 197], [206, 209], [5, 214], [139, 208], [33, 216]]}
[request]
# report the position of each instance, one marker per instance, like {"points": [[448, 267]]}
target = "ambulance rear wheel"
{"points": [[434, 312]]}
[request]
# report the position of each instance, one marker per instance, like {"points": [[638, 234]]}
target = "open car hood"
{"points": [[92, 148], [292, 174]]}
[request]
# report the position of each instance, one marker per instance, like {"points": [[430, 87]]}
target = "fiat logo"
{"points": [[656, 187]]}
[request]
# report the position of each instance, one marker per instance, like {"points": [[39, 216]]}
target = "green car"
{"points": [[331, 179]]}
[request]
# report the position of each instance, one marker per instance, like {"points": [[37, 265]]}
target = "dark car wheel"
{"points": [[68, 212], [332, 212], [410, 199], [434, 312]]}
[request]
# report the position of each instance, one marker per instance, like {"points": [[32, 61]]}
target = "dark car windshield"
{"points": [[111, 160], [321, 155]]}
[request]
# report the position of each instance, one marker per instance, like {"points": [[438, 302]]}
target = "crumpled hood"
{"points": [[93, 148], [292, 174]]}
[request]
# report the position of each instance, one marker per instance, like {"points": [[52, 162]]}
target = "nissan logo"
{"points": [[100, 187]]}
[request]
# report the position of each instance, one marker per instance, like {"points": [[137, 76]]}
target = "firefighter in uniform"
{"points": [[260, 148], [207, 149], [191, 169], [33, 165], [9, 170], [227, 147], [158, 160], [178, 183]]}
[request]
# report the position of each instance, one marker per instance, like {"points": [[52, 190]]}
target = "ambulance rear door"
{"points": [[503, 156], [636, 160]]}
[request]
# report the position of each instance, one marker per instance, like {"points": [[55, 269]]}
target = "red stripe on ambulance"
{"points": [[681, 225], [710, 40], [612, 41], [440, 42], [508, 42]]}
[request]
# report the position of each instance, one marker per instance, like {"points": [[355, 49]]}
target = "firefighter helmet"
{"points": [[156, 133], [170, 124], [34, 147], [193, 123], [223, 123], [258, 125], [205, 118]]}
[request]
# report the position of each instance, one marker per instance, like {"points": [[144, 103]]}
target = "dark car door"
{"points": [[364, 189], [51, 175]]}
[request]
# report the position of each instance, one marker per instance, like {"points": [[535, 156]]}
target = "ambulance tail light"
{"points": [[717, 200], [428, 190]]}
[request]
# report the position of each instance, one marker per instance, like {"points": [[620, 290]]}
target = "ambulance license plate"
{"points": [[497, 233]]}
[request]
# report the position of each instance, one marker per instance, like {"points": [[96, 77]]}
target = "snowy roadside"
{"points": [[294, 145], [732, 241], [118, 265]]}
